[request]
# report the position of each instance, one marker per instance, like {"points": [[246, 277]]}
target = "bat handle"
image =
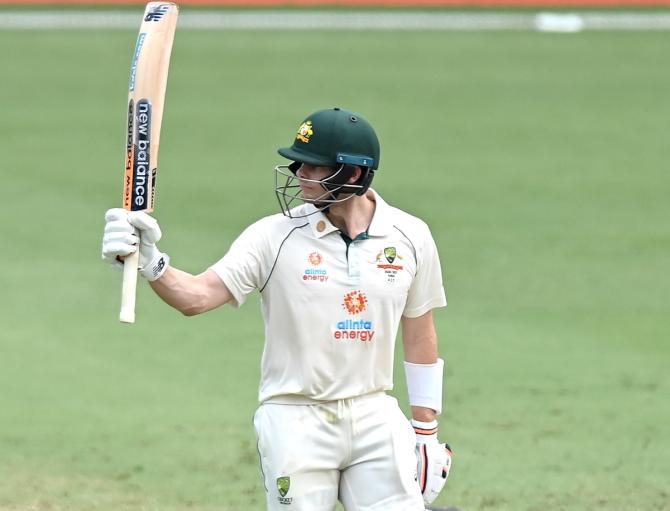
{"points": [[129, 287]]}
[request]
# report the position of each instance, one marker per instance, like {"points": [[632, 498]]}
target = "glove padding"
{"points": [[124, 232], [433, 460]]}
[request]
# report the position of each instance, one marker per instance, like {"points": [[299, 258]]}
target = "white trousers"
{"points": [[360, 451]]}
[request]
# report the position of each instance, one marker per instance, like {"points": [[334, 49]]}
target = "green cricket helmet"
{"points": [[335, 138]]}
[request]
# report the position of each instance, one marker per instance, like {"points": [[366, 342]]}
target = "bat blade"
{"points": [[146, 98]]}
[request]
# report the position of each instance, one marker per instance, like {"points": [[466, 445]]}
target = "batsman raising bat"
{"points": [[339, 271], [146, 96]]}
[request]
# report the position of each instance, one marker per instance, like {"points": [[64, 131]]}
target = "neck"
{"points": [[353, 216]]}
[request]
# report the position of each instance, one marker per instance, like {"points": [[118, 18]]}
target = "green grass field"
{"points": [[540, 162]]}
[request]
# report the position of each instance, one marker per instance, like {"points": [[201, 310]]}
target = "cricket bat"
{"points": [[146, 96]]}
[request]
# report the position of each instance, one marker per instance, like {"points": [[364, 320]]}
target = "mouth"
{"points": [[309, 187], [313, 193]]}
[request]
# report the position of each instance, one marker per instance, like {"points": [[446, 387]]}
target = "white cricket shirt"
{"points": [[332, 312]]}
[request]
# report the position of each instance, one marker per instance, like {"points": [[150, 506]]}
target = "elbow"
{"points": [[190, 311], [201, 295], [194, 307], [197, 300]]}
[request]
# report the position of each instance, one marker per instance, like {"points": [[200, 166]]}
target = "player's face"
{"points": [[309, 176]]}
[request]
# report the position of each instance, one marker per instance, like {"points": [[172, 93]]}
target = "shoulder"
{"points": [[411, 226], [273, 229], [275, 225]]}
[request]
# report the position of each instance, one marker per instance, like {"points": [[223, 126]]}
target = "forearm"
{"points": [[422, 351], [185, 292], [189, 294], [421, 354]]}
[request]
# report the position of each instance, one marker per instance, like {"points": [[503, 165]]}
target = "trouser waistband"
{"points": [[295, 399]]}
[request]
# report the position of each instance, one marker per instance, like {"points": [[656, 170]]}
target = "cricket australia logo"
{"points": [[355, 303], [305, 131], [390, 254], [157, 13], [283, 486]]}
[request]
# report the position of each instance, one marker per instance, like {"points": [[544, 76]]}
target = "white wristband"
{"points": [[424, 384]]}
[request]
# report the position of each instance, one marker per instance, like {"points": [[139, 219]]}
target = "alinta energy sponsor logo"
{"points": [[315, 274], [355, 303], [389, 263]]}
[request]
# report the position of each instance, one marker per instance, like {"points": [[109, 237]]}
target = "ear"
{"points": [[356, 173]]}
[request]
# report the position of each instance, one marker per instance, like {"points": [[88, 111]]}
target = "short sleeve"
{"points": [[427, 290], [242, 266]]}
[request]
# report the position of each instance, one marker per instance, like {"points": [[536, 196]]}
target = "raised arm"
{"points": [[189, 294]]}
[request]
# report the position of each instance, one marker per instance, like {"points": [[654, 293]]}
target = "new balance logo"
{"points": [[157, 13], [159, 267]]}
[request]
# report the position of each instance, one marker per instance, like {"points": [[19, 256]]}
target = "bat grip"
{"points": [[129, 287]]}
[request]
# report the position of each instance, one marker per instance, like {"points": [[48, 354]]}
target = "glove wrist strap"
{"points": [[155, 269], [425, 428], [426, 432]]}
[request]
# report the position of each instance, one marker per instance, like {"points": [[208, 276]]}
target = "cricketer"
{"points": [[339, 271]]}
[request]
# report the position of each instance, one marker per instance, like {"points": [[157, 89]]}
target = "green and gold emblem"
{"points": [[305, 131], [390, 254], [283, 485]]}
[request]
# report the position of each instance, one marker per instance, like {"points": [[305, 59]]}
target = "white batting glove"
{"points": [[433, 460], [121, 239]]}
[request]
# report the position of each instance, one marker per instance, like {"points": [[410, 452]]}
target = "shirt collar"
{"points": [[381, 224], [319, 223]]}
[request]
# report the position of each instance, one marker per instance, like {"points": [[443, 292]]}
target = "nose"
{"points": [[305, 171]]}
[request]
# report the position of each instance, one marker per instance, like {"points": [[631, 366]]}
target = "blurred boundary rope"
{"points": [[366, 3], [360, 20]]}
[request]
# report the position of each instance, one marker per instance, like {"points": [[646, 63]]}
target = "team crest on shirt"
{"points": [[388, 260], [283, 486], [315, 274], [357, 328]]}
